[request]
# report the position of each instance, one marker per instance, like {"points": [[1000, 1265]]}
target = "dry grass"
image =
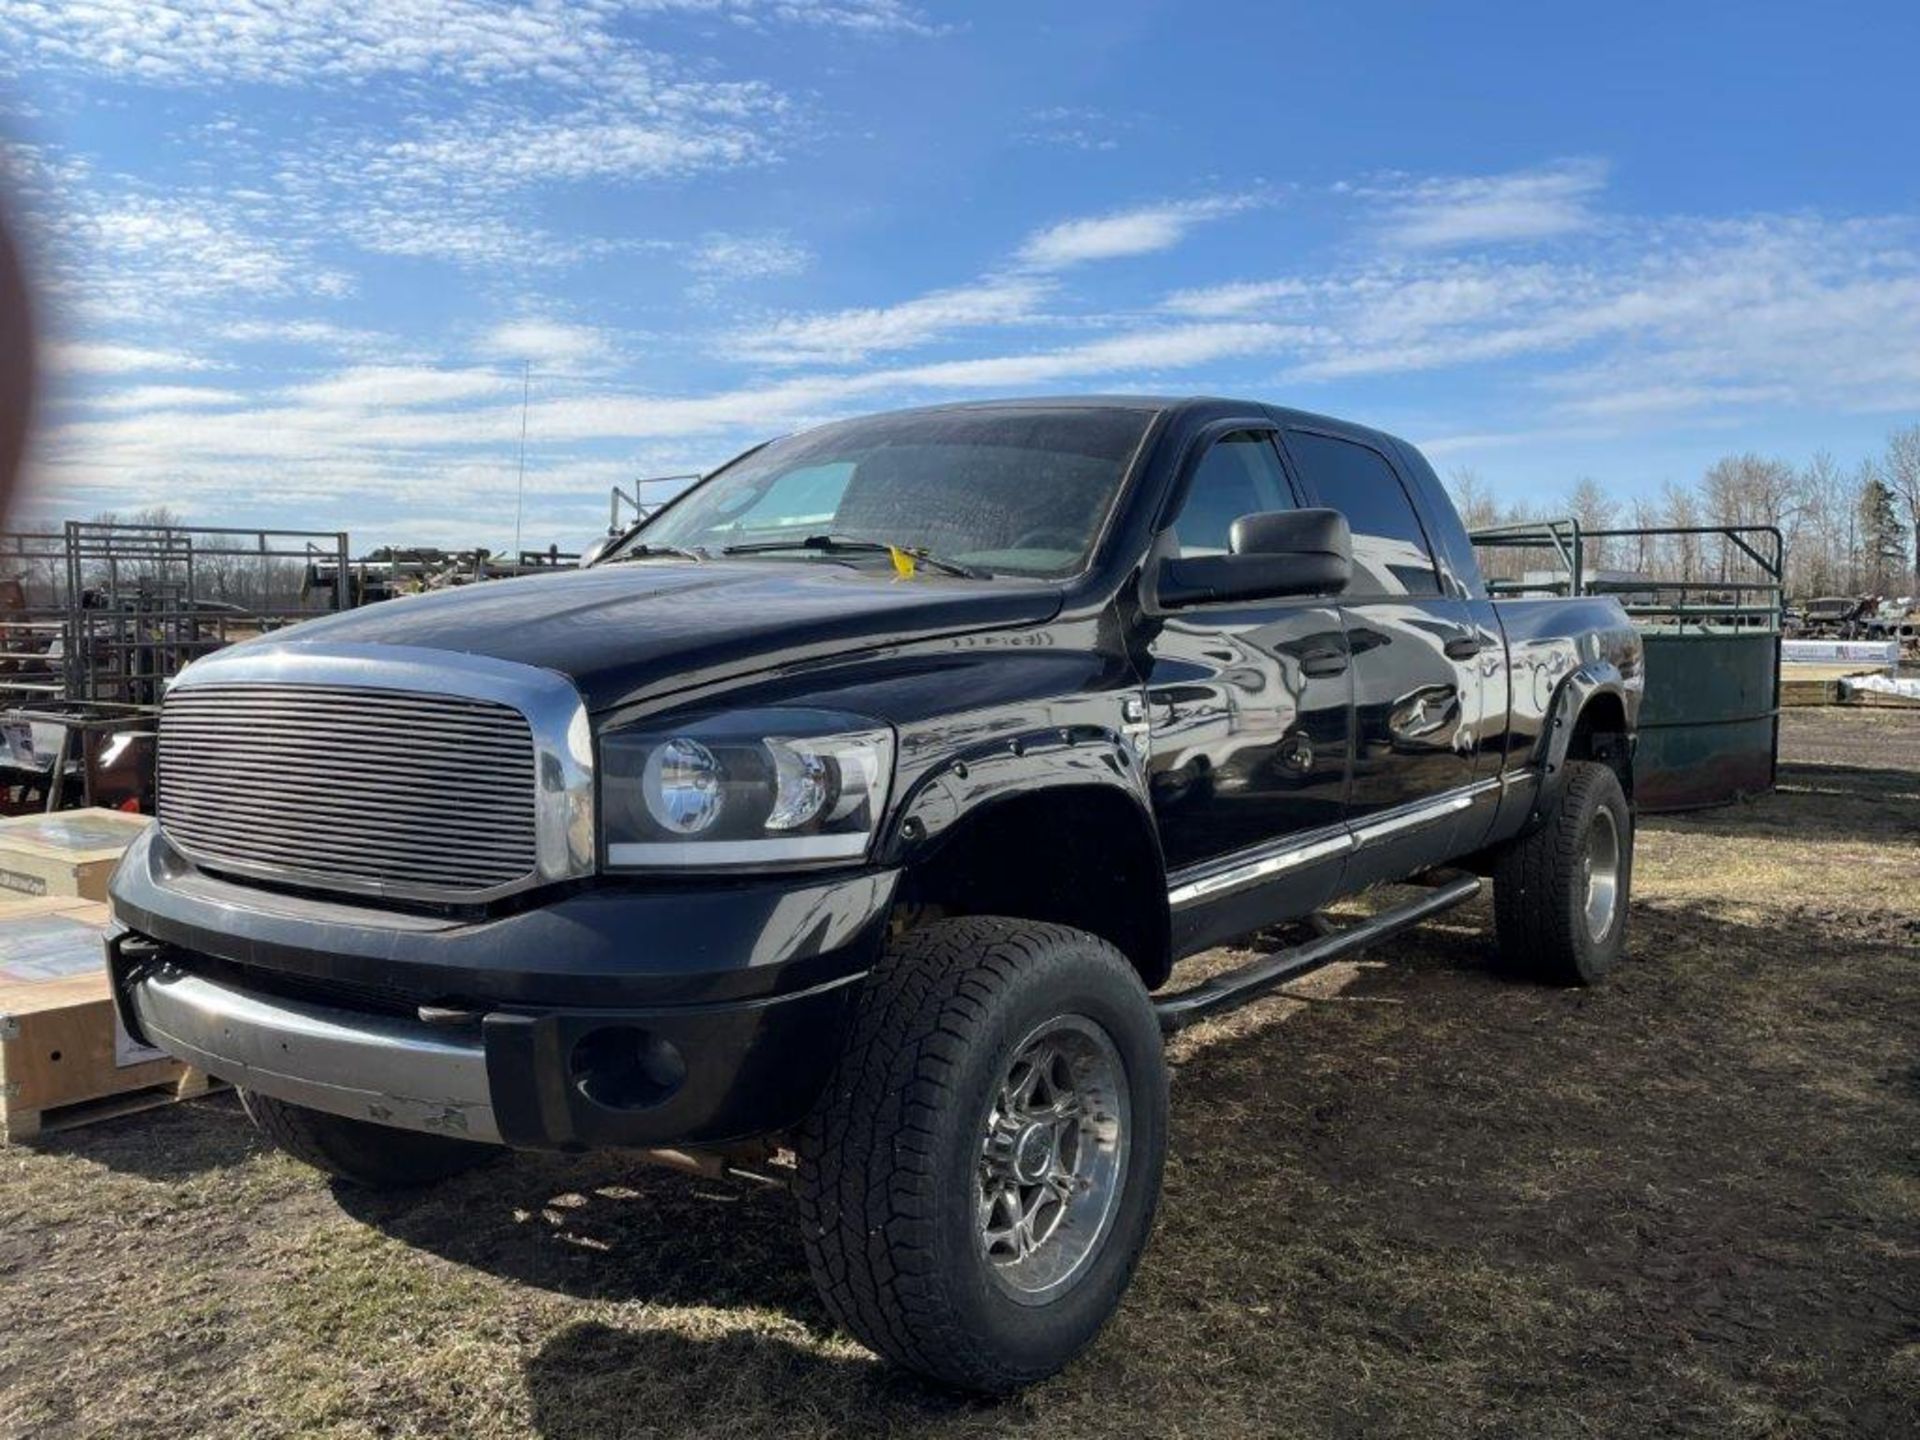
{"points": [[1437, 1203]]}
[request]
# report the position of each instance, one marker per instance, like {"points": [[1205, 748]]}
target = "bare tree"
{"points": [[1745, 490], [1821, 556], [1902, 477], [1644, 515], [1471, 497], [1594, 509], [1683, 513]]}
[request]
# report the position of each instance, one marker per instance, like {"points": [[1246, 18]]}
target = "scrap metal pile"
{"points": [[96, 618], [1858, 617]]}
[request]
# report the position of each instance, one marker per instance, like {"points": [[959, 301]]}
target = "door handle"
{"points": [[1463, 647], [1321, 663]]}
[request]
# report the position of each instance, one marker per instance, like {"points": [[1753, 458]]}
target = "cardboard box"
{"points": [[69, 852], [64, 1057]]}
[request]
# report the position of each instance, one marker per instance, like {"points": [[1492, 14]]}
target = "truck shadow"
{"points": [[606, 1228], [1411, 1201], [1331, 1162], [590, 1381]]}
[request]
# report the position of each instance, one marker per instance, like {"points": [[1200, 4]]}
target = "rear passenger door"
{"points": [[1416, 687]]}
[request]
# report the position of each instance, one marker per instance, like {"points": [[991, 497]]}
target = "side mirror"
{"points": [[598, 548], [1274, 553]]}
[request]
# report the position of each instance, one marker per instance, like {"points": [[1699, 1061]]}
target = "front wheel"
{"points": [[979, 1179]]}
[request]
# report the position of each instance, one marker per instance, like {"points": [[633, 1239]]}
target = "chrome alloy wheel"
{"points": [[1052, 1158], [1600, 868]]}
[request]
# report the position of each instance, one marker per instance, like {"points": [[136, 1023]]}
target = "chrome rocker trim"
{"points": [[564, 824], [1298, 850]]}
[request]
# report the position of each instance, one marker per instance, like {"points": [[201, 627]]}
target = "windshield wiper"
{"points": [[657, 552], [849, 544]]}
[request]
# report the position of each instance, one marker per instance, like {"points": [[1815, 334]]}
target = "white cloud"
{"points": [[1636, 323], [549, 344], [1138, 355], [1016, 298], [323, 334], [1219, 302], [1074, 127], [723, 259], [209, 42], [96, 357], [168, 397], [399, 387], [112, 252], [1124, 233], [844, 336], [696, 130], [1491, 209]]}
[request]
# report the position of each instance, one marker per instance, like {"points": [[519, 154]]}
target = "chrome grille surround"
{"points": [[512, 741]]}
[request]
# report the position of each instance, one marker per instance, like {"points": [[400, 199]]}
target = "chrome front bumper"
{"points": [[382, 1069]]}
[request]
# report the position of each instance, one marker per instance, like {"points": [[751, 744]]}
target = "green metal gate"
{"points": [[1710, 718]]}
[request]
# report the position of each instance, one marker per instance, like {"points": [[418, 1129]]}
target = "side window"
{"points": [[1390, 554], [1239, 475]]}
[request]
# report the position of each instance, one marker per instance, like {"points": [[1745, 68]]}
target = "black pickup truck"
{"points": [[848, 818]]}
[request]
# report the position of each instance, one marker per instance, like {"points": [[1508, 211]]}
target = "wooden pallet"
{"points": [[1818, 684], [63, 1057], [20, 1124], [1881, 699]]}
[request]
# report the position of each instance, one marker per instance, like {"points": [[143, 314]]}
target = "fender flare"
{"points": [[1577, 690], [974, 780], [983, 783]]}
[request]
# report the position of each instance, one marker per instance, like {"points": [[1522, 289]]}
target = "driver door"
{"points": [[1250, 710]]}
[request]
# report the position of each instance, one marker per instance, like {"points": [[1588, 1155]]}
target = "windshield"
{"points": [[1020, 491]]}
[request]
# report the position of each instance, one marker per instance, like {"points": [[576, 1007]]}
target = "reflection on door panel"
{"points": [[1249, 742], [1416, 706], [1415, 710]]}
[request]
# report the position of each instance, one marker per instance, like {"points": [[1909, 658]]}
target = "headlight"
{"points": [[760, 787]]}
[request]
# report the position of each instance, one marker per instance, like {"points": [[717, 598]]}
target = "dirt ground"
{"points": [[1434, 1203]]}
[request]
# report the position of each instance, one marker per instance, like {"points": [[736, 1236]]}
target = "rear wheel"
{"points": [[376, 1157], [1560, 893], [979, 1179]]}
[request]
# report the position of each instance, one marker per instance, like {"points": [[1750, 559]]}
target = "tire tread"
{"points": [[1535, 923], [869, 1155]]}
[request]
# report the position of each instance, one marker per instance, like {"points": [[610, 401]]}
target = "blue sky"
{"points": [[296, 257]]}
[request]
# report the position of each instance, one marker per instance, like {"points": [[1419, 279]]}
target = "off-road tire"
{"points": [[375, 1157], [1540, 891], [889, 1160]]}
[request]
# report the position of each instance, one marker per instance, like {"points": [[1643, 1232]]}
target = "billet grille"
{"points": [[358, 789]]}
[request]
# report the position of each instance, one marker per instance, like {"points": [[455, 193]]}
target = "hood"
{"points": [[625, 632]]}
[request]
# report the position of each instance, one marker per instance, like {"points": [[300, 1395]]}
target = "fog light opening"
{"points": [[623, 1067]]}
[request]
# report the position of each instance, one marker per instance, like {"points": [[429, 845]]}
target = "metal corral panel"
{"points": [[1709, 722]]}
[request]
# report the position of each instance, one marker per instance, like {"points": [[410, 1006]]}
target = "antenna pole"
{"points": [[520, 497]]}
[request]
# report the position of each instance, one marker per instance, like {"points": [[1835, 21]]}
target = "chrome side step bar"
{"points": [[1250, 982]]}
